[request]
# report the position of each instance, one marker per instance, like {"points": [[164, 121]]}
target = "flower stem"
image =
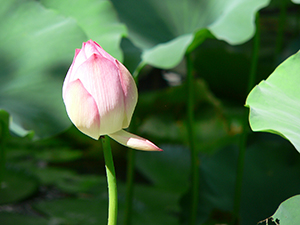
{"points": [[131, 162], [2, 154], [243, 138], [111, 180], [191, 137], [280, 32], [129, 186], [4, 135]]}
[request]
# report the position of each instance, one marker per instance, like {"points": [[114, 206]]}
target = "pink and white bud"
{"points": [[99, 92]]}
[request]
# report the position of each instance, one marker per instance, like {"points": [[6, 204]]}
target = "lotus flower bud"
{"points": [[100, 96]]}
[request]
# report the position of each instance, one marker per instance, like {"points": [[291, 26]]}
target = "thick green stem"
{"points": [[129, 186], [4, 136], [243, 138], [111, 180], [191, 136], [2, 163], [131, 163], [281, 26], [2, 154], [137, 71]]}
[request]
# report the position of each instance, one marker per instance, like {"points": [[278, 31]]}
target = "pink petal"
{"points": [[100, 78], [134, 141], [92, 47], [78, 59], [82, 109], [130, 93]]}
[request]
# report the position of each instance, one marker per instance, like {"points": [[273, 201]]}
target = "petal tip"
{"points": [[152, 147], [134, 141]]}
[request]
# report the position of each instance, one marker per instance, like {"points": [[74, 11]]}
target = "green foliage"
{"points": [[165, 30], [13, 218], [75, 211], [98, 20], [61, 180], [274, 102], [4, 126], [16, 186], [288, 212], [37, 46]]}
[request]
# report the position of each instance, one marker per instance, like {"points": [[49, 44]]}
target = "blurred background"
{"points": [[54, 174]]}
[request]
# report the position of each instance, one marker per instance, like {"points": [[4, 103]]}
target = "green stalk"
{"points": [[191, 139], [2, 153], [4, 135], [243, 138], [111, 180], [137, 71], [281, 25], [129, 186], [131, 163]]}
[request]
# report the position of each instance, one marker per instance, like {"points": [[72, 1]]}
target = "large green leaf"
{"points": [[274, 103], [165, 29], [37, 46], [97, 19], [288, 213]]}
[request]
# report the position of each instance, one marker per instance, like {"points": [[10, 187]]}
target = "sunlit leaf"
{"points": [[274, 103], [296, 1]]}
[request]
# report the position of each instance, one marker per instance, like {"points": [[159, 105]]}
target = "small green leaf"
{"points": [[288, 213]]}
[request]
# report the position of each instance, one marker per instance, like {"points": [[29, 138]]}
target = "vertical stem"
{"points": [[129, 186], [191, 136], [243, 138], [111, 180], [2, 154], [4, 134], [281, 24], [2, 163], [131, 163]]}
